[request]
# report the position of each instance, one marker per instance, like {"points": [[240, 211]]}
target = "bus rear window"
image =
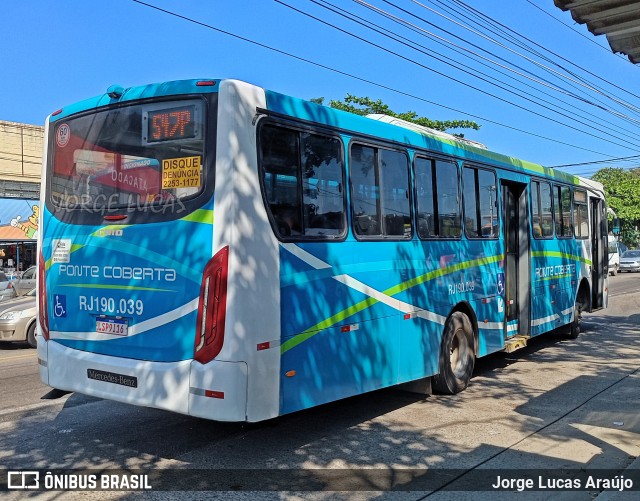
{"points": [[128, 157]]}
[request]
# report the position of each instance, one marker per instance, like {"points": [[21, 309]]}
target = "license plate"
{"points": [[115, 326]]}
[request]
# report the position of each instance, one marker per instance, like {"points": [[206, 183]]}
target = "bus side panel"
{"points": [[555, 274], [253, 293], [359, 316], [546, 286], [337, 338]]}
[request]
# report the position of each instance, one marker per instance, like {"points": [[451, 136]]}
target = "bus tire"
{"points": [[574, 327], [457, 355], [31, 336]]}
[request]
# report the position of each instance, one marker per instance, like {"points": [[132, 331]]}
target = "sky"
{"points": [[541, 87]]}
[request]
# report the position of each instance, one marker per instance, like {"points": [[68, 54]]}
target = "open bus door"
{"points": [[599, 252], [517, 285]]}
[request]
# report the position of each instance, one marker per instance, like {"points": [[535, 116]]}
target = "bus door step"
{"points": [[515, 343]]}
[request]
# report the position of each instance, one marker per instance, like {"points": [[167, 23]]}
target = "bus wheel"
{"points": [[457, 355], [574, 327]]}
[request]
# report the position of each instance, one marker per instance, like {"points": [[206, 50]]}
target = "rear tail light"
{"points": [[42, 298], [212, 308], [115, 217]]}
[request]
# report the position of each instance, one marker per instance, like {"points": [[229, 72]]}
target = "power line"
{"points": [[361, 79], [464, 40], [591, 39], [489, 24], [428, 68], [458, 49], [492, 20], [532, 61], [633, 157]]}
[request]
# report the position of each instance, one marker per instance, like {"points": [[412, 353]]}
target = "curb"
{"points": [[614, 495]]}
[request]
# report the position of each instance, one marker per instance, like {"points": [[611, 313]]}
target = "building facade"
{"points": [[21, 148]]}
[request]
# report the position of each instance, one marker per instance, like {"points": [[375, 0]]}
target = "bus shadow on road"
{"points": [[386, 429]]}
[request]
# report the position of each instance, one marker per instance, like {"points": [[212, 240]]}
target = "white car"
{"points": [[7, 290], [18, 319], [630, 261], [616, 249], [27, 281]]}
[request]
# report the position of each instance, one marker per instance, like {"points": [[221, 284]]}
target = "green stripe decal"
{"points": [[555, 277], [564, 255], [392, 291], [200, 216], [325, 324]]}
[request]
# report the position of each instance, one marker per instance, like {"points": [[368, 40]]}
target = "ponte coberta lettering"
{"points": [[118, 272]]}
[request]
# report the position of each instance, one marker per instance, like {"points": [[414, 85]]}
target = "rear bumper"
{"points": [[215, 391]]}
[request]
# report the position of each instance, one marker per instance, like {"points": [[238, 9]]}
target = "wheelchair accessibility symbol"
{"points": [[500, 280], [59, 306]]}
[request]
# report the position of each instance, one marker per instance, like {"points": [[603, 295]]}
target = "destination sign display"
{"points": [[171, 124]]}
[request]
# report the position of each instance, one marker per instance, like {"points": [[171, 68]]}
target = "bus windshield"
{"points": [[128, 157]]}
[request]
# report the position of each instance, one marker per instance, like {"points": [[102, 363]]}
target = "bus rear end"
{"points": [[131, 288]]}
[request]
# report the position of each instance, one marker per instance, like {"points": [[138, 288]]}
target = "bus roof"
{"points": [[350, 122], [172, 88], [392, 130]]}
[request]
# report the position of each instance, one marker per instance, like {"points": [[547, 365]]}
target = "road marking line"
{"points": [[34, 356]]}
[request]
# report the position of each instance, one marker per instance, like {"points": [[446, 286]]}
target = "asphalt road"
{"points": [[624, 283], [558, 403]]}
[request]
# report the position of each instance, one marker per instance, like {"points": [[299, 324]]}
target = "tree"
{"points": [[622, 190], [366, 106]]}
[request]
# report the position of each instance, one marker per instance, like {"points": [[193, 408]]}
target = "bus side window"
{"points": [[394, 178], [448, 199], [322, 178], [562, 211], [546, 215], [437, 203], [380, 192], [480, 209], [536, 227], [365, 196], [280, 160], [580, 214], [541, 214], [425, 212], [302, 178]]}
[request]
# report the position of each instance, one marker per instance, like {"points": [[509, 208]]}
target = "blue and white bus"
{"points": [[216, 249]]}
